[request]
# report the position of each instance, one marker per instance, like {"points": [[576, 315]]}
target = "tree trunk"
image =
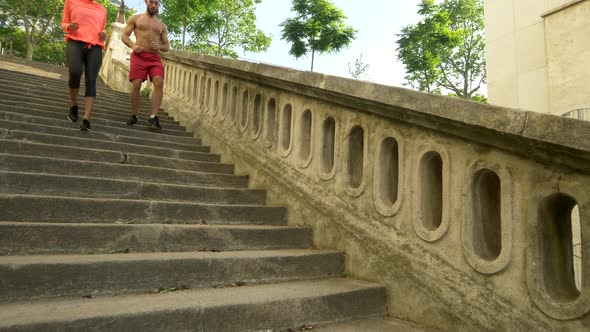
{"points": [[30, 49], [183, 31], [312, 57]]}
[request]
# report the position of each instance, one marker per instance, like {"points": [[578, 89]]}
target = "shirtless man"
{"points": [[151, 37]]}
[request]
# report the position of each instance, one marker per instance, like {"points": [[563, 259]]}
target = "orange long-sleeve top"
{"points": [[91, 17]]}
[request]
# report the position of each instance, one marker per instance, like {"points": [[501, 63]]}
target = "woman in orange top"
{"points": [[84, 21]]}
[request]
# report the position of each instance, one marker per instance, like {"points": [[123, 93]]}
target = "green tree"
{"points": [[180, 15], [13, 41], [227, 26], [34, 16], [50, 46], [360, 69], [317, 27], [445, 50]]}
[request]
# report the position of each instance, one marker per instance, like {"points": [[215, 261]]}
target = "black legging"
{"points": [[80, 53]]}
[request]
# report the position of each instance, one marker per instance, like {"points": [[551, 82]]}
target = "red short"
{"points": [[144, 64]]}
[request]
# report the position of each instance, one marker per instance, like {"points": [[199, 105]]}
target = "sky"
{"points": [[377, 22]]}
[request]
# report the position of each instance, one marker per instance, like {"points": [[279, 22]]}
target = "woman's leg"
{"points": [[93, 61], [74, 58]]}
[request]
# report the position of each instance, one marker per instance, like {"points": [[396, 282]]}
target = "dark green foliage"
{"points": [[46, 38], [36, 17], [216, 27], [317, 27], [446, 49]]}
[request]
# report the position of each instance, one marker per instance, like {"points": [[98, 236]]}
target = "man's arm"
{"points": [[165, 43], [129, 28]]}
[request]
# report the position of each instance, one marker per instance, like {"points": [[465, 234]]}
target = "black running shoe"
{"points": [[155, 122], [132, 120], [73, 114], [85, 126]]}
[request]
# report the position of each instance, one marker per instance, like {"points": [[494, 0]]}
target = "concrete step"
{"points": [[34, 133], [64, 150], [59, 91], [111, 166], [276, 306], [22, 238], [57, 102], [53, 117], [39, 84], [102, 128], [59, 111], [93, 187], [34, 277], [378, 324], [89, 142], [37, 208]]}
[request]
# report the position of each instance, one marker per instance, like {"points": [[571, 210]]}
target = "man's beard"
{"points": [[152, 12]]}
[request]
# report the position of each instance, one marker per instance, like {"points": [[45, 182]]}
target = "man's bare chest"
{"points": [[149, 26]]}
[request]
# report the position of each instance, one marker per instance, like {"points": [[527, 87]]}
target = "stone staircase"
{"points": [[128, 229]]}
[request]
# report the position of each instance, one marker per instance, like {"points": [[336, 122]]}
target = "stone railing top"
{"points": [[539, 136]]}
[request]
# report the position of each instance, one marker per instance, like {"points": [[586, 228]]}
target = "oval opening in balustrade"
{"points": [[257, 114], [208, 94], [328, 141], [224, 92], [175, 79], [305, 136], [356, 147], [431, 190], [234, 103], [202, 91], [215, 96], [577, 246], [195, 92], [388, 171], [487, 214], [245, 98], [559, 235], [271, 118], [286, 127], [183, 82]]}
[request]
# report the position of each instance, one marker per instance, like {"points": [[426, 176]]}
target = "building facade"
{"points": [[538, 55]]}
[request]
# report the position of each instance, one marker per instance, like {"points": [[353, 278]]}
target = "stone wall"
{"points": [[537, 54], [462, 210]]}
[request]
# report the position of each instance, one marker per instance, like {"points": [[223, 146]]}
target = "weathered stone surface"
{"points": [[22, 238], [274, 306], [123, 210], [33, 277], [439, 199]]}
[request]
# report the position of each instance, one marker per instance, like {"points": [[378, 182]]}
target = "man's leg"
{"points": [[158, 86], [157, 94], [135, 88]]}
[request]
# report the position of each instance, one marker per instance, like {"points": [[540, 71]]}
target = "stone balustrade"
{"points": [[468, 213]]}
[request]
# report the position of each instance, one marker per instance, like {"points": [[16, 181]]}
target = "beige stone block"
{"points": [[568, 86], [530, 48], [501, 58], [568, 57], [499, 18], [503, 92], [554, 4], [568, 31], [527, 13], [533, 91]]}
